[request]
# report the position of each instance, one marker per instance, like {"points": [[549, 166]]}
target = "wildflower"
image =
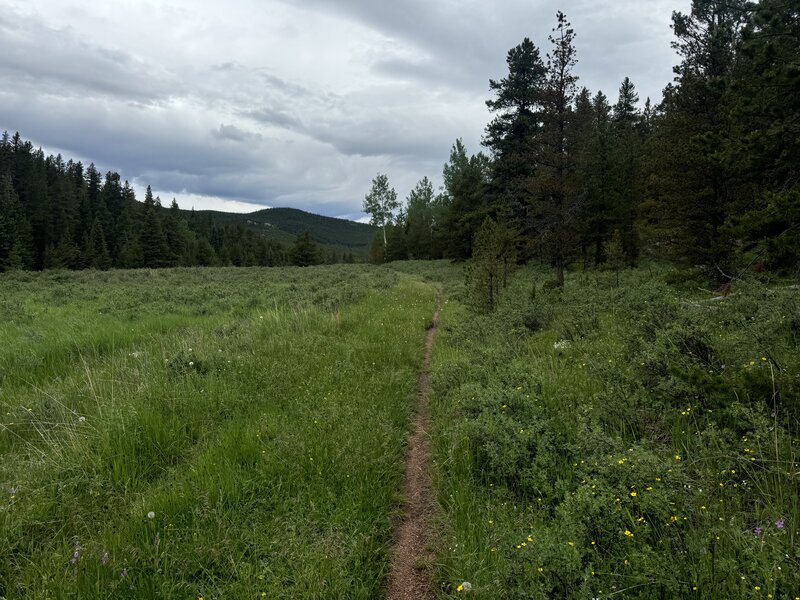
{"points": [[464, 587], [81, 419], [105, 558], [758, 531], [678, 457], [124, 573], [633, 494], [151, 515], [628, 533], [13, 492], [76, 553], [780, 524]]}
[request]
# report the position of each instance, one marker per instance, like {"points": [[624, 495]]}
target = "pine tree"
{"points": [[697, 181], [494, 258], [305, 252], [511, 136], [626, 174], [98, 255], [558, 202], [464, 203], [419, 220], [152, 239], [765, 146]]}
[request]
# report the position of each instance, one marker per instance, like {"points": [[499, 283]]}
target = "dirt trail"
{"points": [[409, 575]]}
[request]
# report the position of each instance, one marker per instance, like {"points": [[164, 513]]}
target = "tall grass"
{"points": [[226, 433]]}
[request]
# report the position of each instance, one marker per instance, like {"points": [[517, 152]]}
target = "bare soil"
{"points": [[411, 559]]}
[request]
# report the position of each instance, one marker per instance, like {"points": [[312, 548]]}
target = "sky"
{"points": [[244, 104]]}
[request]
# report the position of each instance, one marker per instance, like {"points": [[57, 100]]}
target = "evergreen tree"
{"points": [[98, 255], [464, 203], [697, 182], [511, 136], [626, 176], [16, 238], [493, 259], [152, 239], [558, 202], [765, 146], [176, 232], [419, 220], [305, 252]]}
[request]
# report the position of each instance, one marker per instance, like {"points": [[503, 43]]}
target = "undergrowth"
{"points": [[632, 441]]}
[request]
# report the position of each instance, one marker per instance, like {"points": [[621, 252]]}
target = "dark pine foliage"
{"points": [[62, 215], [708, 179]]}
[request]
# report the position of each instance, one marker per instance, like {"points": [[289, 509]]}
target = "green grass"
{"points": [[602, 442], [223, 433]]}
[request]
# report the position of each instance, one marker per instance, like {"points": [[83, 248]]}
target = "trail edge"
{"points": [[411, 558]]}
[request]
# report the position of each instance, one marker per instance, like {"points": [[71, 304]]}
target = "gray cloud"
{"points": [[290, 102], [233, 133], [70, 65]]}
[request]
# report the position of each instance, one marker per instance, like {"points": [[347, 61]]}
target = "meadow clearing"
{"points": [[240, 433], [215, 433]]}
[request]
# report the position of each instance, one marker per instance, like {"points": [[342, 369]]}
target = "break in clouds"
{"points": [[252, 103]]}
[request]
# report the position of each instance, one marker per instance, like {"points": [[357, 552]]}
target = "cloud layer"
{"points": [[290, 102]]}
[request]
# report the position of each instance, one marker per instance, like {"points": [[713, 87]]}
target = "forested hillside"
{"points": [[340, 236], [708, 178], [62, 215]]}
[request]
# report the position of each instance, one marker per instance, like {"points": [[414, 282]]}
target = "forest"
{"points": [[707, 178]]}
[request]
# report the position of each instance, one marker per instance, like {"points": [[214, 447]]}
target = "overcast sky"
{"points": [[242, 104]]}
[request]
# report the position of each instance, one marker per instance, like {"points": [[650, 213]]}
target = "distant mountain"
{"points": [[285, 224]]}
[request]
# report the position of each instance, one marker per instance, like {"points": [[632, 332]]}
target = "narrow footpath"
{"points": [[411, 557]]}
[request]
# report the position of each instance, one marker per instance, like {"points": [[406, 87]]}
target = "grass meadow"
{"points": [[214, 433], [240, 433], [618, 441]]}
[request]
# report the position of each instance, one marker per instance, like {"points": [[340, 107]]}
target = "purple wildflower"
{"points": [[76, 552], [758, 531], [780, 524]]}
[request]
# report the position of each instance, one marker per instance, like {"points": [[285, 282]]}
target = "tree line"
{"points": [[708, 178], [62, 215]]}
